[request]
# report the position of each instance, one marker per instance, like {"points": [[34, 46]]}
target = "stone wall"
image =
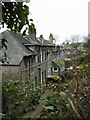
{"points": [[10, 72]]}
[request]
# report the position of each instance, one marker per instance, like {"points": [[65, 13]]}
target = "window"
{"points": [[48, 53], [44, 79], [39, 74], [36, 58], [41, 78], [33, 84], [55, 69], [31, 65], [44, 57], [41, 55], [49, 71]]}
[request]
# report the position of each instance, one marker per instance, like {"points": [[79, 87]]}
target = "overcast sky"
{"points": [[63, 18]]}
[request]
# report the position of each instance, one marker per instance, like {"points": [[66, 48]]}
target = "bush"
{"points": [[18, 98], [68, 63]]}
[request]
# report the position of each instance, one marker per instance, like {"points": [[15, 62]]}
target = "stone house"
{"points": [[28, 57], [18, 57]]}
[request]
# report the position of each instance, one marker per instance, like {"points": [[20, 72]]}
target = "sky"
{"points": [[62, 18]]}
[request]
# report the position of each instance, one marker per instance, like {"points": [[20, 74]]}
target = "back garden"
{"points": [[69, 98]]}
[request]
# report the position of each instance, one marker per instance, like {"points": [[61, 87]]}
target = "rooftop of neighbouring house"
{"points": [[58, 62]]}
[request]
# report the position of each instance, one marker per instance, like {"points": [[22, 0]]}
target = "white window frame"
{"points": [[36, 58], [44, 55], [41, 78], [41, 55]]}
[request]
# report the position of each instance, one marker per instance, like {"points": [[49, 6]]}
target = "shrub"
{"points": [[18, 98]]}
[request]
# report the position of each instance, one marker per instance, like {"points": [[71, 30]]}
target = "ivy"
{"points": [[4, 41]]}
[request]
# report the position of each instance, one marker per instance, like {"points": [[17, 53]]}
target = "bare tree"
{"points": [[75, 38]]}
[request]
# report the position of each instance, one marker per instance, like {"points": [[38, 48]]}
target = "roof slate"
{"points": [[15, 48]]}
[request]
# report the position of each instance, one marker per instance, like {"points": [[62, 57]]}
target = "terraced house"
{"points": [[28, 57]]}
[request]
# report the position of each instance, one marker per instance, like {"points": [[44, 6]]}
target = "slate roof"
{"points": [[38, 41], [15, 48], [45, 42], [58, 62], [18, 46]]}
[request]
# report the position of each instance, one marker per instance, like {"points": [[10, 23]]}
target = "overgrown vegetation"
{"points": [[57, 106], [15, 16], [18, 98], [68, 99], [71, 98]]}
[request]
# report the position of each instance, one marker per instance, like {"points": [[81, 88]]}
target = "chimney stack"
{"points": [[32, 34], [41, 39], [51, 38]]}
